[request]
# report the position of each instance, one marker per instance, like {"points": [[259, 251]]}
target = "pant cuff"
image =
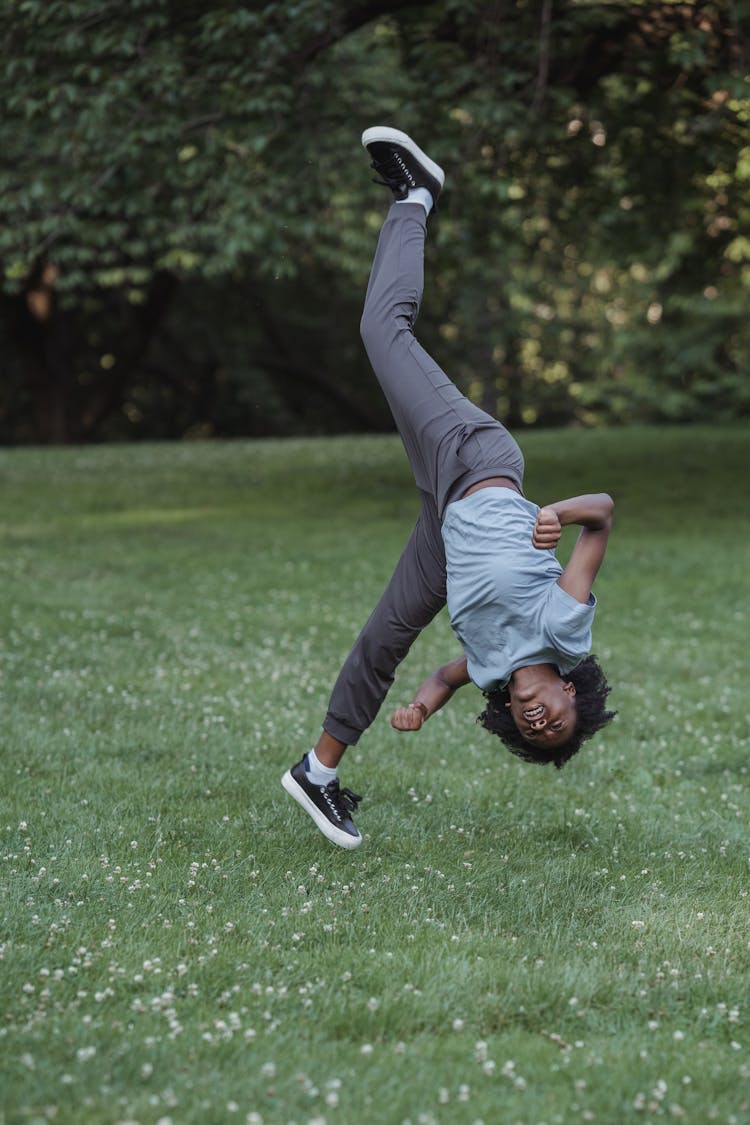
{"points": [[342, 731]]}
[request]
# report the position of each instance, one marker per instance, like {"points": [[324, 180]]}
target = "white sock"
{"points": [[419, 195], [316, 771]]}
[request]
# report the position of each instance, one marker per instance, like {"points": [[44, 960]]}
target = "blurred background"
{"points": [[188, 220]]}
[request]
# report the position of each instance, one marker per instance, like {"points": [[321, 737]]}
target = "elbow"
{"points": [[608, 507], [600, 513]]}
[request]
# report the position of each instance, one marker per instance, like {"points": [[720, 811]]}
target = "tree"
{"points": [[165, 160]]}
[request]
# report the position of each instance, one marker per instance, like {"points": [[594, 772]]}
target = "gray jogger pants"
{"points": [[451, 444]]}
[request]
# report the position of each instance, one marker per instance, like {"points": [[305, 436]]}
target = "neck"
{"points": [[528, 679]]}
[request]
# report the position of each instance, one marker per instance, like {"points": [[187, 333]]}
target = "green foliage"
{"points": [[599, 188]]}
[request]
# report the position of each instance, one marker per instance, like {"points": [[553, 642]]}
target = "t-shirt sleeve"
{"points": [[568, 625]]}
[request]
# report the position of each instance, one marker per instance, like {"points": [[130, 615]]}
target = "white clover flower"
{"points": [[659, 1090]]}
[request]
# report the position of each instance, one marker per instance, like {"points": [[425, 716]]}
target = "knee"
{"points": [[366, 325], [371, 328], [374, 338], [380, 328]]}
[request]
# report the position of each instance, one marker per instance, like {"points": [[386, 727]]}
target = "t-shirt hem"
{"points": [[475, 476]]}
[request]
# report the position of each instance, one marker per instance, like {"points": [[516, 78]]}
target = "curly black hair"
{"points": [[592, 690]]}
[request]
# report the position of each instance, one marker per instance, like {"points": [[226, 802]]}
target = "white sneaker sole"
{"points": [[395, 136], [330, 831]]}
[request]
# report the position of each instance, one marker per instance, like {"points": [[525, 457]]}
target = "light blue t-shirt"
{"points": [[505, 605]]}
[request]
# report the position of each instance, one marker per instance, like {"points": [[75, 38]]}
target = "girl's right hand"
{"points": [[547, 530]]}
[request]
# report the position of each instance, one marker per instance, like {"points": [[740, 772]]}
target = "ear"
{"points": [[569, 688], [508, 704]]}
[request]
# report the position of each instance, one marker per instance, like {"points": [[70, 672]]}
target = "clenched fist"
{"points": [[409, 718], [547, 530]]}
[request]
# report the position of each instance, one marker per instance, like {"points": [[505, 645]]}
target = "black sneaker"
{"points": [[329, 805], [401, 164]]}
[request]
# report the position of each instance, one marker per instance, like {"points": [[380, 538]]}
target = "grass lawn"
{"points": [[509, 944]]}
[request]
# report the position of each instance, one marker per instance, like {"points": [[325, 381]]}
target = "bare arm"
{"points": [[431, 695], [594, 514]]}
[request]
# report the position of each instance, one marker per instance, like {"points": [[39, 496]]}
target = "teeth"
{"points": [[534, 712]]}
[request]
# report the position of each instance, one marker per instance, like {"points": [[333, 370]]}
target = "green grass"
{"points": [[510, 944]]}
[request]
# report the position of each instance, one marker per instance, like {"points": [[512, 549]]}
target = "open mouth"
{"points": [[534, 713]]}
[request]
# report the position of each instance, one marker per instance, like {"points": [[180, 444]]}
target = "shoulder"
{"points": [[568, 622]]}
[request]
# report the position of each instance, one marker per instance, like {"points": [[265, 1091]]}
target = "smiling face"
{"points": [[543, 707]]}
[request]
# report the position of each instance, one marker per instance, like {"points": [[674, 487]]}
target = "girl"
{"points": [[523, 621]]}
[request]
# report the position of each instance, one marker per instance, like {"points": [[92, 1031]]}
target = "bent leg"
{"points": [[414, 595]]}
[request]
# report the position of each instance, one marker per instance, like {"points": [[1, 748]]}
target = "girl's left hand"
{"points": [[408, 718], [547, 530]]}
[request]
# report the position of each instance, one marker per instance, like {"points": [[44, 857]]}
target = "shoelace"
{"points": [[344, 798], [392, 174]]}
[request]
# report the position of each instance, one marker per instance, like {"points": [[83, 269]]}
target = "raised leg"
{"points": [[432, 416]]}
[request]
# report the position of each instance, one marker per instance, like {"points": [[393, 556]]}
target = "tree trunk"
{"points": [[46, 336]]}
